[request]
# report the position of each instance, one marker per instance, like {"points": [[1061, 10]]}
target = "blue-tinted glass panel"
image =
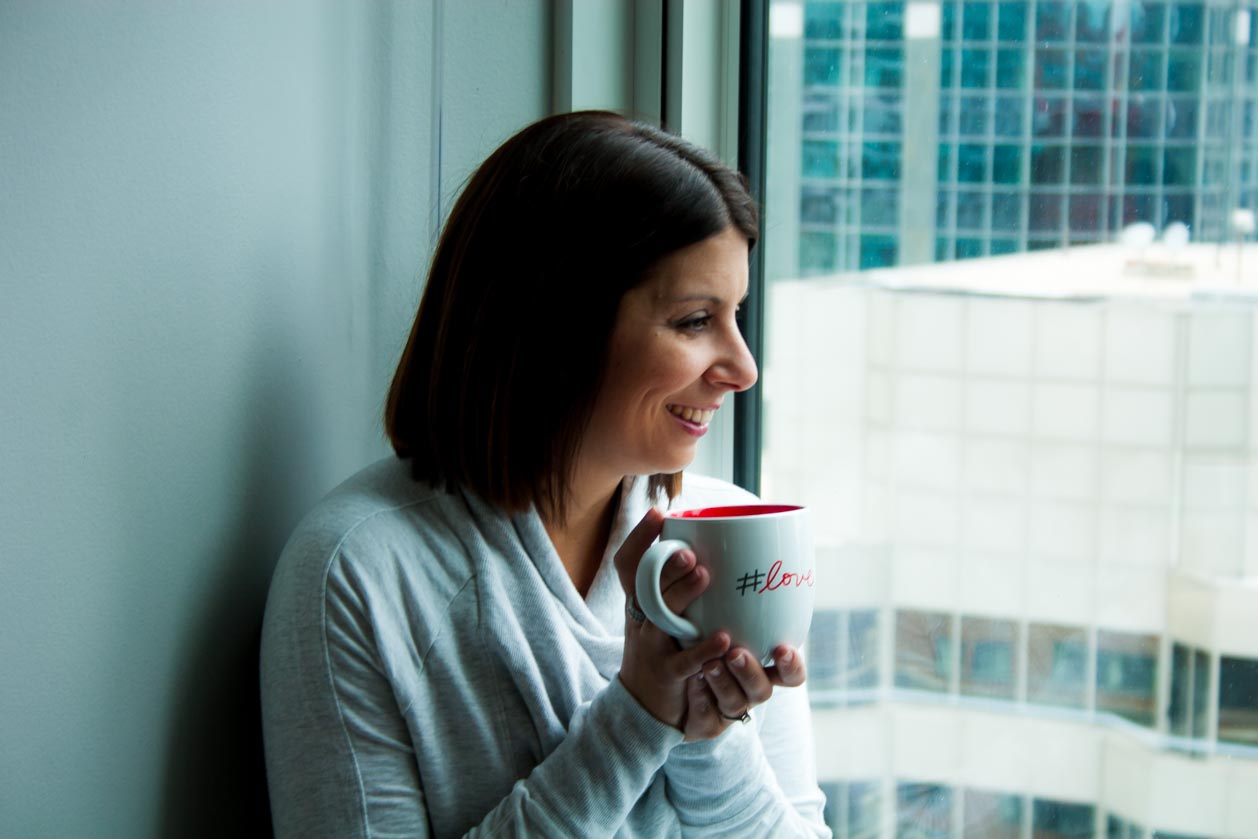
{"points": [[976, 68], [1089, 116], [1238, 700], [948, 19], [945, 162], [999, 247], [973, 121], [988, 650], [1011, 24], [1089, 70], [1200, 659], [823, 20], [880, 161], [820, 159], [862, 649], [923, 650], [1126, 675], [972, 163], [1052, 20], [878, 251], [1048, 164], [1085, 165], [1057, 658], [923, 811], [1092, 22], [976, 24], [991, 815], [1009, 111], [821, 65], [1145, 71], [1061, 820], [882, 114], [817, 252], [1086, 210], [1051, 68], [1179, 708], [1187, 23], [969, 248], [1006, 164], [818, 206], [943, 249], [1144, 116], [1007, 212], [1049, 117], [947, 62], [884, 21], [821, 113], [1010, 67], [1183, 72], [1179, 166], [943, 209], [824, 666], [880, 207], [864, 810], [884, 67], [1139, 207], [1045, 212], [1148, 22], [970, 207], [1142, 166]]}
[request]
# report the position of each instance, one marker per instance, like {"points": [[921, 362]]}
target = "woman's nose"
{"points": [[736, 369]]}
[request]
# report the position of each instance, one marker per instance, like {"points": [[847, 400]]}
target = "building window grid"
{"points": [[1107, 205]]}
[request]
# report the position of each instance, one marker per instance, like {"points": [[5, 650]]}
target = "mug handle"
{"points": [[647, 588]]}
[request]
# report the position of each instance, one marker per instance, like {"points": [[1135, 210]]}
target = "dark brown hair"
{"points": [[506, 357]]}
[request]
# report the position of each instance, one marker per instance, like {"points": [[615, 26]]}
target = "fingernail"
{"points": [[678, 561], [714, 670], [787, 657], [738, 660]]}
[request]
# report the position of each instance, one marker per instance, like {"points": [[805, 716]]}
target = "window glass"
{"points": [[1010, 65], [975, 68], [923, 650], [822, 66], [923, 811], [880, 161], [1012, 21], [1006, 213], [973, 121], [1126, 675], [1187, 23], [988, 657], [977, 21], [991, 815], [823, 21], [862, 650], [1060, 819], [1009, 111], [884, 68], [1092, 22], [1051, 69], [884, 21], [1057, 658], [1090, 70], [880, 207], [1238, 700], [1146, 70], [1052, 20], [824, 668], [1148, 22], [1200, 695]]}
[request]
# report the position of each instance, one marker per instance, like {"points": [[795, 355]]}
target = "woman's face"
{"points": [[676, 354]]}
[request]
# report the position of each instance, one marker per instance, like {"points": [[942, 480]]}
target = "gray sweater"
{"points": [[428, 669]]}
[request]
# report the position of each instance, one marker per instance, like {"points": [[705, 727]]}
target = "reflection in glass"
{"points": [[1238, 700], [923, 650], [1179, 706], [1200, 695], [1056, 665], [991, 815], [988, 656], [1126, 675], [923, 811], [1061, 820]]}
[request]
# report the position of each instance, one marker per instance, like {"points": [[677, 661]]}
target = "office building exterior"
{"points": [[933, 131]]}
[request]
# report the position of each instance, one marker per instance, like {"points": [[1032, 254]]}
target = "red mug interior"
{"points": [[735, 511]]}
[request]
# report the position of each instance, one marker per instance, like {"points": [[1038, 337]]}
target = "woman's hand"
{"points": [[730, 686], [654, 669]]}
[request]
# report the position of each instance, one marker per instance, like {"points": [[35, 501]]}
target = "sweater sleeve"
{"points": [[754, 780], [341, 761]]}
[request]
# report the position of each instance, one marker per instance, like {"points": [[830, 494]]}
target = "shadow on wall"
{"points": [[215, 770]]}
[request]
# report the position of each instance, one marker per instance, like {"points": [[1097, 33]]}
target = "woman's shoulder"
{"points": [[705, 491], [378, 519]]}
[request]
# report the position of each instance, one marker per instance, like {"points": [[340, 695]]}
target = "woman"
{"points": [[448, 648]]}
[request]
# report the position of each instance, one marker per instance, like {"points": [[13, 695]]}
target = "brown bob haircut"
{"points": [[507, 354]]}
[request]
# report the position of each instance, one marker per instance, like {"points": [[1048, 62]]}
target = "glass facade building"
{"points": [[934, 131]]}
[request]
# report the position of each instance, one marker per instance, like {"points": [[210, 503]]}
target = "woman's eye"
{"points": [[696, 323]]}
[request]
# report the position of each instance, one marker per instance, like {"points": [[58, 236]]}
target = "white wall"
{"points": [[213, 221]]}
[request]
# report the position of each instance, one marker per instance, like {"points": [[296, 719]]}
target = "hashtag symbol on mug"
{"points": [[750, 581]]}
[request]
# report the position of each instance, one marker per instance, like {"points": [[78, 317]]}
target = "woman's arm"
{"points": [[754, 780]]}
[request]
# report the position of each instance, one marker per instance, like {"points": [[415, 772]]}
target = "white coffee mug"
{"points": [[761, 571]]}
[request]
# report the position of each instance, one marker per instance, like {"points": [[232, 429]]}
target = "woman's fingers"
{"points": [[635, 545], [738, 682], [788, 668]]}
